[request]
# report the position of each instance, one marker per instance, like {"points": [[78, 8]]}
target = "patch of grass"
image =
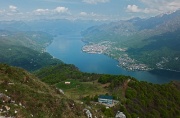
{"points": [[77, 89], [33, 97]]}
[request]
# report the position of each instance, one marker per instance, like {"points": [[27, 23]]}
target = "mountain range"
{"points": [[153, 41]]}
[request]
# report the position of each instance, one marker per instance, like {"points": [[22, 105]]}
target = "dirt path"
{"points": [[125, 87]]}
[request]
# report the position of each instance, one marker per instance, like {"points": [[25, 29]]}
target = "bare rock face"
{"points": [[88, 113]]}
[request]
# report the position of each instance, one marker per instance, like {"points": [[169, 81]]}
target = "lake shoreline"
{"points": [[68, 48]]}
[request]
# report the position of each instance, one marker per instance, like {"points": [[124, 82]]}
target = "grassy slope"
{"points": [[82, 84], [77, 89], [37, 98]]}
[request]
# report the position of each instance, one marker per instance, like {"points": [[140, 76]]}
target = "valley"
{"points": [[34, 82], [89, 59]]}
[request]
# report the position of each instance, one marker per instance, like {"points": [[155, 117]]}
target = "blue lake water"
{"points": [[68, 49]]}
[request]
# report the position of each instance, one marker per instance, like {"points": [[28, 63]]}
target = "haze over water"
{"points": [[68, 49]]}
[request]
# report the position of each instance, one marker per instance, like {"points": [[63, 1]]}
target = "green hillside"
{"points": [[25, 49], [31, 39], [26, 96], [137, 99], [162, 51], [140, 44]]}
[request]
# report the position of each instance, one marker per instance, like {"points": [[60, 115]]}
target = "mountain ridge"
{"points": [[26, 49], [124, 36], [25, 96]]}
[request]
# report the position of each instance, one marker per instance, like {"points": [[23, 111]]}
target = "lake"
{"points": [[68, 49]]}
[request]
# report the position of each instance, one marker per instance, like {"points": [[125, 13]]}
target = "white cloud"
{"points": [[42, 10], [133, 8], [173, 5], [95, 1], [83, 14], [161, 6], [13, 8], [155, 7], [92, 14], [11, 13], [56, 13], [148, 10], [58, 10], [61, 9]]}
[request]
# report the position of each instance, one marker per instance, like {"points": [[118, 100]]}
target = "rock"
{"points": [[1, 95], [5, 108], [107, 107], [10, 83], [15, 105], [12, 101], [61, 91], [15, 112], [5, 98], [88, 113], [120, 115]]}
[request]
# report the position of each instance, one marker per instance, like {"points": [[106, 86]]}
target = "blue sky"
{"points": [[84, 9]]}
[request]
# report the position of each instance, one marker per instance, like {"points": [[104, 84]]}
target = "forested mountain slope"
{"points": [[25, 49], [154, 41], [136, 99]]}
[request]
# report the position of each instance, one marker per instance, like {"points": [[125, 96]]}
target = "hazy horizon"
{"points": [[84, 9]]}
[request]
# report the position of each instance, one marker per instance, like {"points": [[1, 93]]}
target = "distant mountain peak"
{"points": [[134, 19], [177, 12]]}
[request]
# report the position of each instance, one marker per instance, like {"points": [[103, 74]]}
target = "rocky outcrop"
{"points": [[120, 115]]}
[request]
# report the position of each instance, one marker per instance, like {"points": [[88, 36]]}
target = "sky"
{"points": [[84, 9]]}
